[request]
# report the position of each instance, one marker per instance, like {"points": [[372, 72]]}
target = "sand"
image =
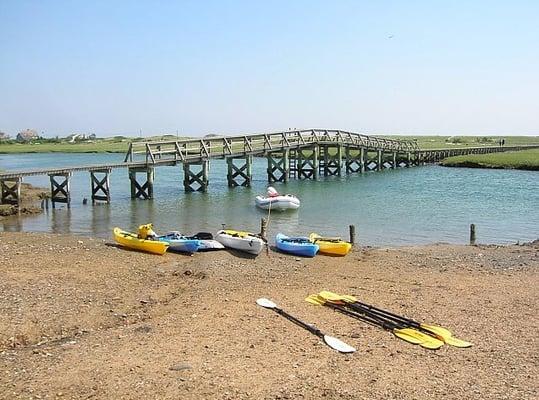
{"points": [[81, 319]]}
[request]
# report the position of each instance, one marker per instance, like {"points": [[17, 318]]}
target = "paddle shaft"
{"points": [[362, 307], [304, 325], [374, 320]]}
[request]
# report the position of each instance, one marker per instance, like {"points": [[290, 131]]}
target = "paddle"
{"points": [[327, 239], [332, 342], [441, 333], [407, 334]]}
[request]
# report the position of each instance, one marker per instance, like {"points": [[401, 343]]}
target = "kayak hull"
{"points": [[299, 246], [243, 241], [180, 243], [282, 203], [333, 247], [210, 245], [131, 241]]}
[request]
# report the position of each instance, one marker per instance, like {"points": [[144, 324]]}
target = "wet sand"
{"points": [[82, 319]]}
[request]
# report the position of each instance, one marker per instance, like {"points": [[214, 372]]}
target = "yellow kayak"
{"points": [[330, 246], [132, 241]]}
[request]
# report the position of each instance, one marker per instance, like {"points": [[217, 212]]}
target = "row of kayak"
{"points": [[146, 240]]}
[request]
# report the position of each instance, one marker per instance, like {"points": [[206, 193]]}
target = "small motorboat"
{"points": [[238, 240], [132, 241], [276, 201], [299, 246], [333, 246], [207, 242], [180, 243]]}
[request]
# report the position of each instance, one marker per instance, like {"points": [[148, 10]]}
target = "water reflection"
{"points": [[404, 206], [60, 220]]}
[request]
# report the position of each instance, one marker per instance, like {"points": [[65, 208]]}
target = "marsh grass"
{"points": [[525, 159]]}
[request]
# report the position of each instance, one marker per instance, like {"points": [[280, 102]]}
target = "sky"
{"points": [[238, 67]]}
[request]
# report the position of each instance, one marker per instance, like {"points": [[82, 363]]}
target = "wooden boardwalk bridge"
{"points": [[299, 154]]}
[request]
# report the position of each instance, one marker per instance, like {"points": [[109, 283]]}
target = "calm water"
{"points": [[406, 206]]}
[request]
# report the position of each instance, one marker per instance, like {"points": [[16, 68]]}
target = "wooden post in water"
{"points": [[100, 186], [472, 234], [352, 230], [263, 226], [196, 181], [239, 175], [144, 191], [60, 190], [11, 191], [379, 160], [278, 166], [363, 157]]}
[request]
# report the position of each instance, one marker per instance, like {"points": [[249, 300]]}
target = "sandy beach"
{"points": [[81, 318]]}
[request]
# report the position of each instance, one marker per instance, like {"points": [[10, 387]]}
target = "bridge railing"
{"points": [[219, 147]]}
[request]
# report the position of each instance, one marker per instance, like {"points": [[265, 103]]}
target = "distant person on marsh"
{"points": [[503, 142]]}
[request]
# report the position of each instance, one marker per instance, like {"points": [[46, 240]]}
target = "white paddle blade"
{"points": [[338, 345], [266, 303]]}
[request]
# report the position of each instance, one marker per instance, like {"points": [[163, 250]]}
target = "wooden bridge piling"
{"points": [[100, 185], [330, 159], [196, 179], [278, 166], [145, 190], [307, 162], [379, 160], [353, 160], [11, 191], [364, 159], [60, 192], [239, 175]]}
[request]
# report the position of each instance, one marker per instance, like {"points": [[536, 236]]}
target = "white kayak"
{"points": [[281, 202], [207, 242], [210, 245], [243, 241]]}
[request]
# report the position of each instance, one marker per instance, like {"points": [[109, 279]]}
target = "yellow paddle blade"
{"points": [[446, 336], [314, 299], [406, 336], [329, 296], [437, 330], [452, 341], [348, 298], [432, 344], [420, 338]]}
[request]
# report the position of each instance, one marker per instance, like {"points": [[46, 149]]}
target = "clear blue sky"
{"points": [[408, 67]]}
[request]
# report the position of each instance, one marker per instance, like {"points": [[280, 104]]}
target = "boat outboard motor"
{"points": [[272, 192]]}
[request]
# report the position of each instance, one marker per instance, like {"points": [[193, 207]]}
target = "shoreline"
{"points": [[31, 196], [81, 317], [471, 164]]}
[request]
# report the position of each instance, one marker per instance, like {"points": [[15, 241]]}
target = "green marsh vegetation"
{"points": [[120, 144], [115, 144], [454, 142], [525, 159]]}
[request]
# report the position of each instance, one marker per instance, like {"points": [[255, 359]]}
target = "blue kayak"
{"points": [[178, 242], [300, 246]]}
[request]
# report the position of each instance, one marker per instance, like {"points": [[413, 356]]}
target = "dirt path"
{"points": [[80, 319]]}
